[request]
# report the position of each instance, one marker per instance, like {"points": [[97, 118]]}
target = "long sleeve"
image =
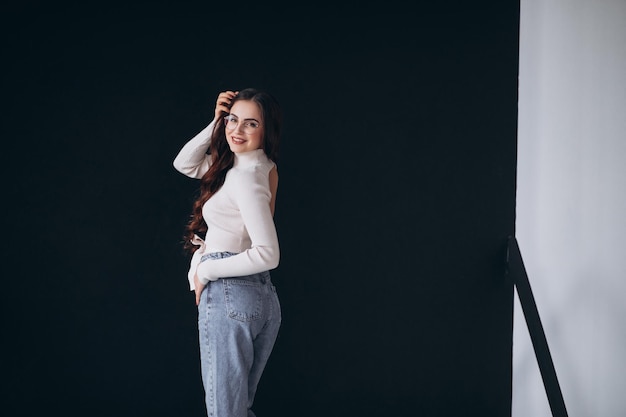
{"points": [[193, 160], [250, 192]]}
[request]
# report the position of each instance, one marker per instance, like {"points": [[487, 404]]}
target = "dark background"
{"points": [[397, 195]]}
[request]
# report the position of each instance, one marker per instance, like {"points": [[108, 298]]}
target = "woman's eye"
{"points": [[252, 124]]}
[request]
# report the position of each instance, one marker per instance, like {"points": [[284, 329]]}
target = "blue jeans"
{"points": [[238, 322]]}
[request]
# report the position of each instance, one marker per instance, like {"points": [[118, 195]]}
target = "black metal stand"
{"points": [[517, 272]]}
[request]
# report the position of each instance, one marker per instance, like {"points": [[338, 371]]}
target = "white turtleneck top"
{"points": [[238, 215]]}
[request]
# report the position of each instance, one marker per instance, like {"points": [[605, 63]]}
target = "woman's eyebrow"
{"points": [[249, 118]]}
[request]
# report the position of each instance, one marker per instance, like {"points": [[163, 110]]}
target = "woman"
{"points": [[238, 308]]}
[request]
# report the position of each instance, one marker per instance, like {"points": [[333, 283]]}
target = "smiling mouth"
{"points": [[237, 141]]}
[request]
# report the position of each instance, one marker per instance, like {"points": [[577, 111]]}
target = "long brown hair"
{"points": [[223, 158]]}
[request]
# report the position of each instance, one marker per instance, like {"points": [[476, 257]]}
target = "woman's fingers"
{"points": [[198, 288], [223, 102], [226, 96]]}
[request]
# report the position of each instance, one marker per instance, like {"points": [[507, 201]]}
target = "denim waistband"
{"points": [[216, 255], [262, 277]]}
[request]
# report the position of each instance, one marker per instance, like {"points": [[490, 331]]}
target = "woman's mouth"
{"points": [[237, 141]]}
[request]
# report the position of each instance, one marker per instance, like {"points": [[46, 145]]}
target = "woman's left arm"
{"points": [[253, 197]]}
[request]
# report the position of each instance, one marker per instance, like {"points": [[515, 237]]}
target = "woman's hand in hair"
{"points": [[222, 106]]}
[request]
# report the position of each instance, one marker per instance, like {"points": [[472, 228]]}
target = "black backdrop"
{"points": [[397, 195]]}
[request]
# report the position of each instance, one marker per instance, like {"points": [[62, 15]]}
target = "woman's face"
{"points": [[244, 127]]}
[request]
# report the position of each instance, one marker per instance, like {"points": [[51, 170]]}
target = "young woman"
{"points": [[238, 309]]}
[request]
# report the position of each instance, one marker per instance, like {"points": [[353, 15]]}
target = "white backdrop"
{"points": [[571, 203]]}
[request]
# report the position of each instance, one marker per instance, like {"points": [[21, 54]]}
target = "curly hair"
{"points": [[223, 158]]}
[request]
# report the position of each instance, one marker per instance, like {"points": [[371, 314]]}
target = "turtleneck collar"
{"points": [[245, 159]]}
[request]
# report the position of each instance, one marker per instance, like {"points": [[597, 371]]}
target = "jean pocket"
{"points": [[243, 299]]}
